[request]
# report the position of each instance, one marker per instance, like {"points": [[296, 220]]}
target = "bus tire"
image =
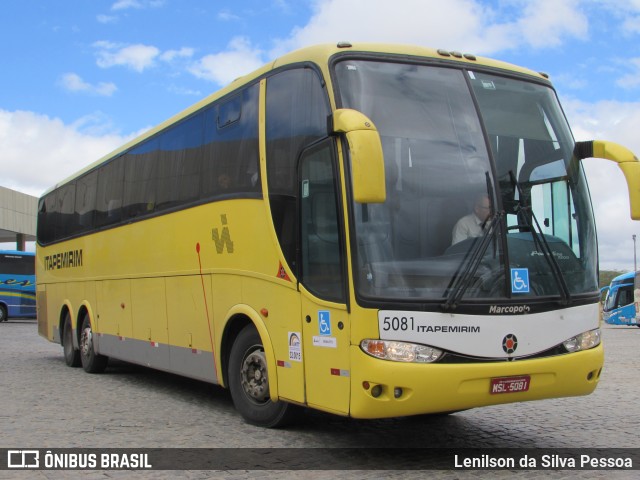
{"points": [[71, 355], [3, 314], [249, 383], [91, 361]]}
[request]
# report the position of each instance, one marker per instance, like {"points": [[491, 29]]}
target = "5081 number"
{"points": [[396, 324]]}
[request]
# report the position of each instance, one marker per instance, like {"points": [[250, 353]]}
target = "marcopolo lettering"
{"points": [[509, 309], [70, 259]]}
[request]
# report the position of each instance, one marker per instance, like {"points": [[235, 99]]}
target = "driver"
{"points": [[473, 225]]}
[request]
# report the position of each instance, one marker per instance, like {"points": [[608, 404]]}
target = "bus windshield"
{"points": [[485, 199]]}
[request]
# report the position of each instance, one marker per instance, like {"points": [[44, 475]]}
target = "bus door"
{"points": [[325, 317]]}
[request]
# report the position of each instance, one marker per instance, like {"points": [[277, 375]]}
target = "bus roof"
{"points": [[17, 252], [624, 276], [319, 54]]}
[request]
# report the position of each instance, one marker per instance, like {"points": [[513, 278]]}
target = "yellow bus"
{"points": [[368, 230]]}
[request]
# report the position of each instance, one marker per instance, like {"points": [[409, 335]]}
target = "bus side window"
{"points": [[109, 195], [230, 162], [179, 159], [85, 201], [296, 116], [65, 209], [625, 296]]}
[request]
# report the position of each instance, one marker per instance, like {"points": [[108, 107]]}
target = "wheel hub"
{"points": [[85, 341], [254, 376]]}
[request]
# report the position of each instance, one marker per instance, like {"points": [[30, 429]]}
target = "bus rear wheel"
{"points": [[71, 355], [92, 362], [249, 383]]}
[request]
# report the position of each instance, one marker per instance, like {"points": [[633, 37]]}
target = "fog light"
{"points": [[376, 391], [397, 392]]}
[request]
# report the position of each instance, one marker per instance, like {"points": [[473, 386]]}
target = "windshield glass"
{"points": [[454, 225], [619, 298]]}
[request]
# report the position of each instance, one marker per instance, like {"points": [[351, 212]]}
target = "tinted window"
{"points": [[321, 270], [231, 163], [46, 221], [297, 110], [213, 153], [86, 190], [140, 175], [109, 194], [229, 111], [179, 159], [16, 264], [65, 208]]}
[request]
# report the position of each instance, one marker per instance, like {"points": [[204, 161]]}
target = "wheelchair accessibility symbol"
{"points": [[324, 322], [519, 280]]}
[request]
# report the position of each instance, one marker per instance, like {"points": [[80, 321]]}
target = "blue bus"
{"points": [[619, 305], [17, 285]]}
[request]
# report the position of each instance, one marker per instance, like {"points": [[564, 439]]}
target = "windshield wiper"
{"points": [[471, 262], [541, 242]]}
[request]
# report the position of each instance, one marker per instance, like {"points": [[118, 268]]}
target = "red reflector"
{"points": [[335, 371], [280, 363]]}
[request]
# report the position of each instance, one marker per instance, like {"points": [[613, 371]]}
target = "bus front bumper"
{"points": [[381, 388]]}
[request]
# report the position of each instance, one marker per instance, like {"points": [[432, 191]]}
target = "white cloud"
{"points": [[105, 19], [74, 83], [627, 11], [632, 79], [137, 4], [227, 16], [31, 142], [239, 59], [137, 57], [546, 22], [126, 4], [631, 25], [171, 55], [467, 25]]}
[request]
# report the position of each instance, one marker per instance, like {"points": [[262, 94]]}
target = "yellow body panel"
{"points": [[188, 321], [444, 388]]}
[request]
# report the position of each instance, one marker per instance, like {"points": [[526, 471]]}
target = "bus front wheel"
{"points": [[249, 383], [91, 361], [71, 355], [3, 314]]}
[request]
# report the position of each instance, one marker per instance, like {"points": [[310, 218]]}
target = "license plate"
{"points": [[510, 384]]}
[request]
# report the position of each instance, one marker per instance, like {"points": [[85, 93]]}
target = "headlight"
{"points": [[400, 351], [584, 341]]}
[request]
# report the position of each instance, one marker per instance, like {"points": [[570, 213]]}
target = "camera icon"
{"points": [[23, 459]]}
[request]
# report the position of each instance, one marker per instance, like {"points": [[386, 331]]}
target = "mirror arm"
{"points": [[625, 159]]}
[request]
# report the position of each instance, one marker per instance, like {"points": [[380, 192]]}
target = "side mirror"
{"points": [[365, 148], [625, 159]]}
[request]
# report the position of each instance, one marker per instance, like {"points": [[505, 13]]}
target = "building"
{"points": [[18, 213]]}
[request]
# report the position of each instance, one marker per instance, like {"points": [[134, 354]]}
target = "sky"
{"points": [[81, 77]]}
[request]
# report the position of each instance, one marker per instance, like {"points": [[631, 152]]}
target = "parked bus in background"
{"points": [[621, 305], [290, 238], [17, 285]]}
